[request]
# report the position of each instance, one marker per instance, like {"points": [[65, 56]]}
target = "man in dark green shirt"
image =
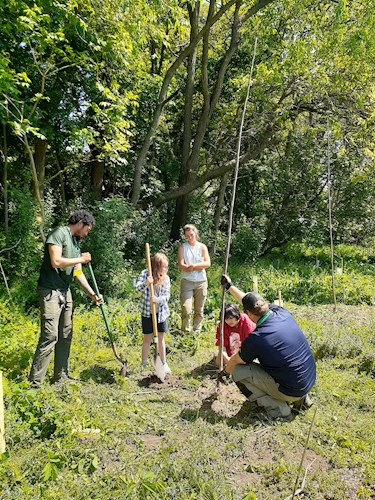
{"points": [[61, 263]]}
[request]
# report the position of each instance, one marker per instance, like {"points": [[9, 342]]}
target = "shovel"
{"points": [[156, 362], [114, 349]]}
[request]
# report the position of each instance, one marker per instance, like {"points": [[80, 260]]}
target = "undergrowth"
{"points": [[109, 437]]}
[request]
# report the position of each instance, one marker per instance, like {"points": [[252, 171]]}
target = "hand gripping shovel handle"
{"points": [[114, 349], [158, 365], [153, 305]]}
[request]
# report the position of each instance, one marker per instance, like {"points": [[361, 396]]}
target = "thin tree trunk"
{"points": [[97, 178], [163, 99], [179, 217], [37, 189], [40, 163], [5, 181], [62, 186], [191, 162], [210, 104], [189, 87]]}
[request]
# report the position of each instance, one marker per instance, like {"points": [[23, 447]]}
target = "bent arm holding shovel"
{"points": [[80, 278]]}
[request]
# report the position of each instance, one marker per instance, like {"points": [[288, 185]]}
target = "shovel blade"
{"points": [[159, 368]]}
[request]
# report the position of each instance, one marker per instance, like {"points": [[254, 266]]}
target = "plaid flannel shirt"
{"points": [[162, 293]]}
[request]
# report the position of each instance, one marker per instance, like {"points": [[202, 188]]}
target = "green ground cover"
{"points": [[108, 437]]}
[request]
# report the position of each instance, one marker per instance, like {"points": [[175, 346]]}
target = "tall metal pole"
{"points": [[330, 218], [239, 140], [2, 426]]}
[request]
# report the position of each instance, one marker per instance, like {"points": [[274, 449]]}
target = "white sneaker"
{"points": [[144, 369], [167, 370]]}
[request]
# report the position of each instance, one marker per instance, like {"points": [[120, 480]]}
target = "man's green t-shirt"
{"points": [[58, 279]]}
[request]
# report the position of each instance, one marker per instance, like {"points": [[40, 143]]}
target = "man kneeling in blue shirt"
{"points": [[285, 368]]}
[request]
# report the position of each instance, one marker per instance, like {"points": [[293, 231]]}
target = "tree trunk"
{"points": [[97, 176], [62, 185], [189, 87], [210, 102], [40, 164], [136, 190], [191, 154], [37, 188], [181, 206], [5, 181], [210, 21], [179, 218]]}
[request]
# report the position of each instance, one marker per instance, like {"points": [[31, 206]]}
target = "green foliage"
{"points": [[346, 255], [25, 256], [118, 241], [18, 332], [247, 241], [51, 469], [35, 411], [110, 437], [86, 86], [303, 274]]}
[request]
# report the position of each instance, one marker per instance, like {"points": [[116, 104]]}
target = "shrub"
{"points": [[247, 241]]}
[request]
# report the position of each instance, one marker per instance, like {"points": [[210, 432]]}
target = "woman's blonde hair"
{"points": [[191, 227], [157, 262]]}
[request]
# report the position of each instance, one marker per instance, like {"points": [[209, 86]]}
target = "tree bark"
{"points": [[260, 4], [5, 181], [37, 188], [181, 206], [62, 186], [191, 154], [97, 176], [210, 174], [40, 164], [210, 103]]}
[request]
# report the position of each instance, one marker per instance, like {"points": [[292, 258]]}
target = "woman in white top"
{"points": [[193, 259]]}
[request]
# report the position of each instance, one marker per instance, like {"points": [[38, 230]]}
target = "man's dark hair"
{"points": [[231, 311], [81, 215], [255, 303]]}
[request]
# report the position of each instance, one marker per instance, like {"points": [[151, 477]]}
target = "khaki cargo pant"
{"points": [[264, 389], [56, 308], [192, 291]]}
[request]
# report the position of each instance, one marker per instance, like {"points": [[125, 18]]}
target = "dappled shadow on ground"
{"points": [[247, 415], [149, 380], [221, 401], [153, 382], [98, 374], [208, 369]]}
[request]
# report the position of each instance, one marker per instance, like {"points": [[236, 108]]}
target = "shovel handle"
{"points": [[153, 306], [96, 289]]}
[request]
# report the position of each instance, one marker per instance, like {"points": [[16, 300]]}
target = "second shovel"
{"points": [[156, 361]]}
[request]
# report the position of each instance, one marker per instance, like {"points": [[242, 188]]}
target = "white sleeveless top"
{"points": [[193, 255]]}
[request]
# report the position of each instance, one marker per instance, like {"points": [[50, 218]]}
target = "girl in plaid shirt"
{"points": [[162, 287]]}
